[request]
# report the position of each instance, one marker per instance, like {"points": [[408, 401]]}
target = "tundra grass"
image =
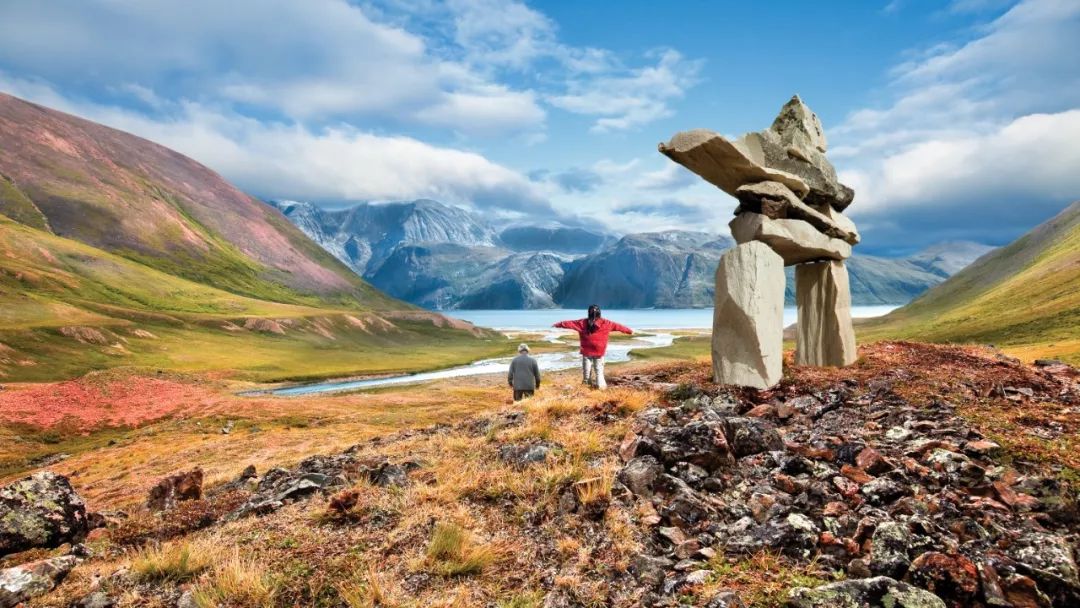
{"points": [[1025, 299]]}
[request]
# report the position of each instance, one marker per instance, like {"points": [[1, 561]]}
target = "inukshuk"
{"points": [[790, 213]]}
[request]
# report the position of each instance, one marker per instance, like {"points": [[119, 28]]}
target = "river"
{"points": [[540, 321]]}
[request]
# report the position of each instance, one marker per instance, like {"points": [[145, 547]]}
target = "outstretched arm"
{"points": [[574, 325], [621, 328]]}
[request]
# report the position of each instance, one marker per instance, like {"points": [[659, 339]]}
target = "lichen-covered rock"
{"points": [[953, 578], [27, 581], [640, 474], [40, 511], [748, 436], [878, 592]]}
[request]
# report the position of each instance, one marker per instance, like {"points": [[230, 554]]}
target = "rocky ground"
{"points": [[922, 476]]}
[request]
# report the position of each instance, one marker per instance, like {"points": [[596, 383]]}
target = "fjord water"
{"points": [[541, 321], [644, 319]]}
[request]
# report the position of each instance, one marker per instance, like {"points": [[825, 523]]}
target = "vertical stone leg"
{"points": [[825, 335], [748, 318]]}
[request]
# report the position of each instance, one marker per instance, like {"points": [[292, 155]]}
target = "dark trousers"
{"points": [[519, 395]]}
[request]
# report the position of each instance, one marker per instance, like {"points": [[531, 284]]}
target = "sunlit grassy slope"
{"points": [[1024, 298], [67, 308]]}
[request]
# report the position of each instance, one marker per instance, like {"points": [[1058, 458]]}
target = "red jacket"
{"points": [[594, 344]]}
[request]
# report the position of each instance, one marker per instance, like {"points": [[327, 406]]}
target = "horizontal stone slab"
{"points": [[777, 201], [796, 241], [721, 163]]}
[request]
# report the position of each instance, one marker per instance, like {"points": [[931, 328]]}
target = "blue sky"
{"points": [[952, 120]]}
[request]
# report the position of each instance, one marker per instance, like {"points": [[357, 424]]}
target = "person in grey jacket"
{"points": [[524, 375]]}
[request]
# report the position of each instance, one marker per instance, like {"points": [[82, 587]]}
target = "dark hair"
{"points": [[594, 314]]}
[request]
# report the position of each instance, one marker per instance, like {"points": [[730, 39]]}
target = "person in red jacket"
{"points": [[593, 333]]}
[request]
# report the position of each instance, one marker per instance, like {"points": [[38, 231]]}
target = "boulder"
{"points": [[889, 549], [953, 578], [748, 436], [640, 474], [799, 127], [748, 317], [796, 241], [21, 583], [878, 592], [175, 488], [777, 201], [767, 149], [524, 455], [40, 511], [97, 599], [723, 163], [824, 335], [701, 442]]}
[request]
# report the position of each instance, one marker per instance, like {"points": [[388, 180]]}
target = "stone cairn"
{"points": [[790, 213]]}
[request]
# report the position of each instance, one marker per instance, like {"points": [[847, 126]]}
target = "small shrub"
{"points": [[172, 562], [453, 552]]}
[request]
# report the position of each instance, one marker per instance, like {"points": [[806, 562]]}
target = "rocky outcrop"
{"points": [[40, 511], [25, 582], [748, 318], [880, 592], [824, 334], [906, 499]]}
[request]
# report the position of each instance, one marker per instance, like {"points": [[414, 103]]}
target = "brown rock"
{"points": [[175, 488], [871, 461], [855, 474], [953, 578]]}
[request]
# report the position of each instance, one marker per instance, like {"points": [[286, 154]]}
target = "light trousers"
{"points": [[592, 372]]}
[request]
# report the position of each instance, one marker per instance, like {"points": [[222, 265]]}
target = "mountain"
{"points": [[366, 234], [443, 257], [948, 258], [571, 241], [1025, 295], [671, 269], [140, 200], [116, 251]]}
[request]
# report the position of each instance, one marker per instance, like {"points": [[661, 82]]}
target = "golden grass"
{"points": [[235, 581], [453, 551], [174, 562]]}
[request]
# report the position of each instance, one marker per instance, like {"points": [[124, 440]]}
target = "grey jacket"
{"points": [[524, 373]]}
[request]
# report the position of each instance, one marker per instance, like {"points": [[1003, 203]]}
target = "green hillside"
{"points": [[1024, 297], [67, 308], [115, 251]]}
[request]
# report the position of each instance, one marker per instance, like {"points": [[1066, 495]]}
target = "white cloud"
{"points": [[975, 133], [291, 161], [1034, 156], [671, 177], [631, 98], [310, 60]]}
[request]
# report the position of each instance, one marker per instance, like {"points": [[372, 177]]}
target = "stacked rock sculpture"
{"points": [[790, 212]]}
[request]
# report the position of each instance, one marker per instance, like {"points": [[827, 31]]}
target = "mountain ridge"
{"points": [[453, 268]]}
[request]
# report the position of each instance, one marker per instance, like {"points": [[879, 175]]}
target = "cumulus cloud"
{"points": [[286, 160], [671, 177], [631, 97], [973, 144], [313, 60]]}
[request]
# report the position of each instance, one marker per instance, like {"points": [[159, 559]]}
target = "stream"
{"points": [[617, 352]]}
